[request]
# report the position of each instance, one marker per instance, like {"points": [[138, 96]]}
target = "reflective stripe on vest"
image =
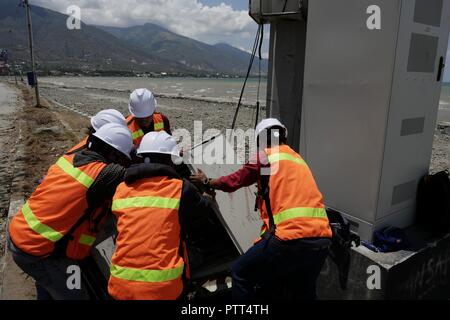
{"points": [[285, 156], [137, 134], [75, 173], [146, 275], [34, 223], [159, 126], [299, 213], [297, 204], [146, 202], [158, 122], [87, 240]]}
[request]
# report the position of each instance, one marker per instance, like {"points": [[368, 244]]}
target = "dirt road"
{"points": [[31, 139], [8, 102]]}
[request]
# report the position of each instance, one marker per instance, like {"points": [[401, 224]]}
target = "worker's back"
{"points": [[147, 263], [56, 205], [296, 202]]}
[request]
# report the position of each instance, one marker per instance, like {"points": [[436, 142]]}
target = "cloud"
{"points": [[191, 18]]}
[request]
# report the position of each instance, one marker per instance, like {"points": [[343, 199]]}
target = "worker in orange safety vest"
{"points": [[296, 233], [55, 226], [143, 116], [150, 261]]}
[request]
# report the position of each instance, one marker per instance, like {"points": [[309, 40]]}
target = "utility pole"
{"points": [[30, 39]]}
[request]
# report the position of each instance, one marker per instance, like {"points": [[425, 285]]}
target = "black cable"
{"points": [[255, 47], [284, 7], [261, 38], [259, 75], [247, 76]]}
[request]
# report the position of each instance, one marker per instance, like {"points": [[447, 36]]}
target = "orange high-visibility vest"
{"points": [[146, 264], [84, 236], [54, 207], [137, 133], [296, 202]]}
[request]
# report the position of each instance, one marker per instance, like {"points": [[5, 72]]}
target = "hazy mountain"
{"points": [[160, 42], [56, 45], [148, 48]]}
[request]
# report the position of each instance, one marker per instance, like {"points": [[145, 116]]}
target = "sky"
{"points": [[210, 21]]}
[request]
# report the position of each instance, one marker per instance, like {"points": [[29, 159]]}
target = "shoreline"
{"points": [[178, 96]]}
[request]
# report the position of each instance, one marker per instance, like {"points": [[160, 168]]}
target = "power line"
{"points": [[252, 58]]}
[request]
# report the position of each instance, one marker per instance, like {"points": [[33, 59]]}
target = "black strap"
{"points": [[183, 241], [266, 197]]}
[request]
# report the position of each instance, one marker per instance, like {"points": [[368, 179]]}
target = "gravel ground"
{"points": [[440, 159], [181, 111]]}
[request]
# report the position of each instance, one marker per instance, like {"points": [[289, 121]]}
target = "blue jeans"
{"points": [[277, 270]]}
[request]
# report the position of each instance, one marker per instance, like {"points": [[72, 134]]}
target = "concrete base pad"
{"points": [[422, 272]]}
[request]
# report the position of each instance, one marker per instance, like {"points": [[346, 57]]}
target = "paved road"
{"points": [[8, 102]]}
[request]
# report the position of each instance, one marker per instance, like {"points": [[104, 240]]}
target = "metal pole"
{"points": [[30, 38]]}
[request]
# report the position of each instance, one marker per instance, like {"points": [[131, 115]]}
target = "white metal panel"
{"points": [[370, 105], [347, 87], [237, 208], [415, 95]]}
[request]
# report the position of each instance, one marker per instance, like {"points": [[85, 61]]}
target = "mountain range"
{"points": [[93, 49], [192, 54]]}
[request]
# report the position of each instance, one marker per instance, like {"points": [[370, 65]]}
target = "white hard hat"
{"points": [[117, 136], [268, 123], [142, 103], [107, 116], [159, 142]]}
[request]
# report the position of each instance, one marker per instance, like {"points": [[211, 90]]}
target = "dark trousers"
{"points": [[50, 275], [279, 270]]}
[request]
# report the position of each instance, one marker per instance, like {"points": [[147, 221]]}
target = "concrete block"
{"points": [[422, 272]]}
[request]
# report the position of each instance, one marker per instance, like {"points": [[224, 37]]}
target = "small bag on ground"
{"points": [[433, 202]]}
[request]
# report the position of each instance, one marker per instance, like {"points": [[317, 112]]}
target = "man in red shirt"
{"points": [[296, 233]]}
